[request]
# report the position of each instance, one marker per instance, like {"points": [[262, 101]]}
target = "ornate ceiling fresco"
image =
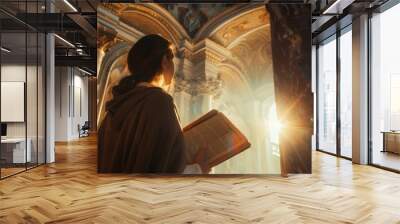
{"points": [[240, 26], [193, 16], [254, 53], [146, 18], [243, 30]]}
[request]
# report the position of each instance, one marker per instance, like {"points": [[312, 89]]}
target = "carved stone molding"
{"points": [[199, 86]]}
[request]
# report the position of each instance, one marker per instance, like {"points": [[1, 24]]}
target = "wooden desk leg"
{"points": [[384, 142]]}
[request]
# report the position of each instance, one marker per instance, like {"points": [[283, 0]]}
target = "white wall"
{"points": [[80, 84], [71, 102], [16, 73], [9, 73], [61, 103]]}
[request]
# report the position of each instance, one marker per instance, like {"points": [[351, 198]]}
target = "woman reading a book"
{"points": [[141, 131]]}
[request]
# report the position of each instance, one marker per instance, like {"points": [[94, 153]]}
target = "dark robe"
{"points": [[141, 134]]}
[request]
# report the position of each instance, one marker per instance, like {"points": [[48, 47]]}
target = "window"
{"points": [[385, 89], [274, 124], [346, 93], [394, 101], [327, 96]]}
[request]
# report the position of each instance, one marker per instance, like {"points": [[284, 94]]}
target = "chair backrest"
{"points": [[86, 124]]}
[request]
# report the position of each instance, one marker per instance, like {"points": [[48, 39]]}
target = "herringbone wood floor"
{"points": [[70, 191]]}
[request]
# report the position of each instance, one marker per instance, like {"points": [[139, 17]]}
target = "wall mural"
{"points": [[223, 61]]}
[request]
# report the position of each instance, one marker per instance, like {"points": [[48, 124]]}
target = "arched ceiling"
{"points": [[149, 18], [254, 53], [144, 23], [238, 27], [243, 29], [223, 23]]}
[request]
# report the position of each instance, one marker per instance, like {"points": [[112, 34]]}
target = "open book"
{"points": [[215, 133]]}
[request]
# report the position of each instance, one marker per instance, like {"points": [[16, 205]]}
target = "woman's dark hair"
{"points": [[144, 61]]}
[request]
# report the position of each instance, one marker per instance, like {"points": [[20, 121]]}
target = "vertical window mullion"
{"points": [[369, 89], [26, 86], [37, 90], [317, 96], [338, 81]]}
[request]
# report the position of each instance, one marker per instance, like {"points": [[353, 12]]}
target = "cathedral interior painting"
{"points": [[223, 60]]}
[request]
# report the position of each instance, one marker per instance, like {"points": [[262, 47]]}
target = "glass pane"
{"points": [[31, 100], [23, 88], [346, 94], [386, 89], [327, 97], [32, 85], [13, 87]]}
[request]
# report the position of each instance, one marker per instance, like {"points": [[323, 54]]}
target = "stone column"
{"points": [[198, 75], [202, 92]]}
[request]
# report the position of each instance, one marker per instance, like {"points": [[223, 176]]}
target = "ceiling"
{"points": [[75, 21], [72, 20]]}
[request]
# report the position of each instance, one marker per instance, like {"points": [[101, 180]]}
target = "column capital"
{"points": [[199, 86]]}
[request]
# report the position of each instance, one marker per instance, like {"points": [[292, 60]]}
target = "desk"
{"points": [[13, 150], [391, 141]]}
